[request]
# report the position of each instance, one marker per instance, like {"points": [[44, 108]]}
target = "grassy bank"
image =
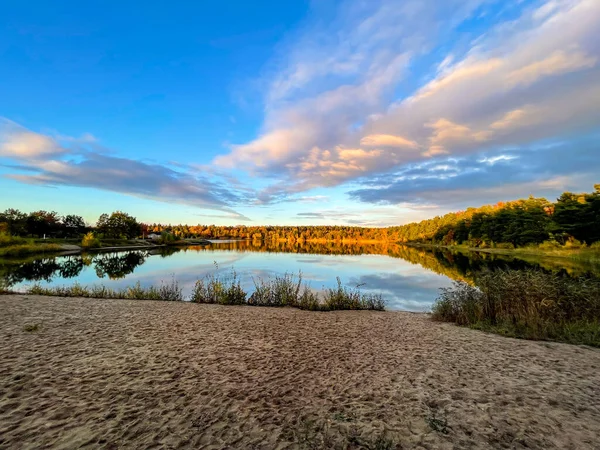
{"points": [[18, 246], [583, 253], [286, 290], [528, 304]]}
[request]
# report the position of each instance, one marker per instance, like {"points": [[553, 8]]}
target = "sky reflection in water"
{"points": [[408, 278]]}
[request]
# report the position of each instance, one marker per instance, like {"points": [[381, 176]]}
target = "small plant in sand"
{"points": [[309, 300], [437, 422], [31, 328]]}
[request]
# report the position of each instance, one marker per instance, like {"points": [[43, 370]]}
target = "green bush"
{"points": [[226, 291], [341, 298], [166, 238], [530, 304], [6, 240], [281, 291], [550, 245], [90, 241]]}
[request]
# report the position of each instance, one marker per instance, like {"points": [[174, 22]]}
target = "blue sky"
{"points": [[301, 112]]}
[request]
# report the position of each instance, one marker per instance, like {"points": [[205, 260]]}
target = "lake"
{"points": [[408, 278]]}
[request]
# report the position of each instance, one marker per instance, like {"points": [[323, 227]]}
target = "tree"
{"points": [[119, 224], [14, 221], [73, 225], [42, 223]]}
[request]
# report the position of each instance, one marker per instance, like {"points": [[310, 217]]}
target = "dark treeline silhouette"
{"points": [[571, 220], [40, 223], [111, 265]]}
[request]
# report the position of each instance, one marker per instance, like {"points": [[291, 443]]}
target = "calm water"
{"points": [[408, 278]]}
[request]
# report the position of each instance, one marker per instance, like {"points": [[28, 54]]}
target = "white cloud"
{"points": [[557, 63], [20, 143], [331, 112], [387, 140], [66, 161]]}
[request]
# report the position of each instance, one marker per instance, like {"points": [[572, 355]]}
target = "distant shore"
{"points": [[586, 255], [64, 247], [134, 373]]}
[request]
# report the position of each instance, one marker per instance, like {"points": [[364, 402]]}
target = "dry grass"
{"points": [[529, 304], [169, 291], [286, 290]]}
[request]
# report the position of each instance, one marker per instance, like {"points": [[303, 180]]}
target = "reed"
{"points": [[286, 290], [531, 304]]}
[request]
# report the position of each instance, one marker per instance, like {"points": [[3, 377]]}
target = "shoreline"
{"points": [[135, 373]]}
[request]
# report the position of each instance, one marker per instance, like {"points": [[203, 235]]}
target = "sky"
{"points": [[323, 112]]}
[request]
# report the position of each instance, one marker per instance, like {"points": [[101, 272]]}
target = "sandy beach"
{"points": [[142, 374]]}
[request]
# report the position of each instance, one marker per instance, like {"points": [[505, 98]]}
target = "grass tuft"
{"points": [[31, 328], [222, 291], [342, 298]]}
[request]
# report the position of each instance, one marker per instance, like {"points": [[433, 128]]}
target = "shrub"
{"points": [[526, 303], [341, 298], [281, 291], [573, 243], [6, 240], [90, 241], [309, 300], [4, 286], [166, 238], [550, 245], [226, 291]]}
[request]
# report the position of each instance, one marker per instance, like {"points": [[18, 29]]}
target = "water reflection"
{"points": [[112, 265], [409, 278], [119, 265]]}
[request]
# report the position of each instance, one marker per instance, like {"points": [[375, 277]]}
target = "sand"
{"points": [[142, 374]]}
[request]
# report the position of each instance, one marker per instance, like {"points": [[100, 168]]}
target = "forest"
{"points": [[572, 220]]}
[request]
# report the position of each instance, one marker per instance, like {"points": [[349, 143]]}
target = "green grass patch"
{"points": [[17, 246], [28, 249]]}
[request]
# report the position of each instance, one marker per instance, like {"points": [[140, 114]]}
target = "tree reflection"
{"points": [[451, 263], [113, 266], [117, 266]]}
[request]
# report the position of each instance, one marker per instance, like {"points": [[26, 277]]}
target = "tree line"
{"points": [[41, 223], [574, 217]]}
